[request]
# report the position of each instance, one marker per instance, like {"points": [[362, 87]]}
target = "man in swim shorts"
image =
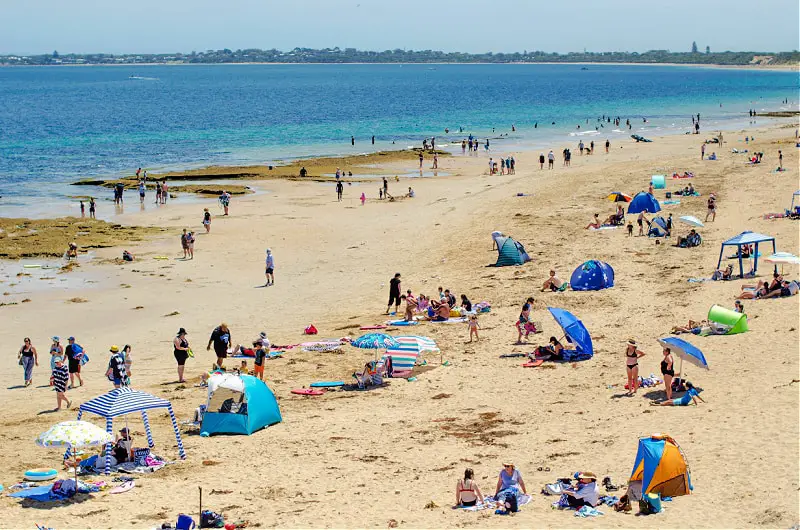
{"points": [[394, 293]]}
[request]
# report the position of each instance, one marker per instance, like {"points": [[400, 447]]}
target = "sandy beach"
{"points": [[365, 459]]}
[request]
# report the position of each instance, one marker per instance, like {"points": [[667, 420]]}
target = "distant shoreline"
{"points": [[773, 67]]}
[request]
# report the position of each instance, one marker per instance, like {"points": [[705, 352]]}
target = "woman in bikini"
{"points": [[668, 371], [467, 491], [632, 355]]}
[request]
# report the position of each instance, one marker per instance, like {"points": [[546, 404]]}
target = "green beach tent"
{"points": [[510, 252], [723, 315]]}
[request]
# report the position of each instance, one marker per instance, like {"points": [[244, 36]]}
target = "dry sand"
{"points": [[352, 459]]}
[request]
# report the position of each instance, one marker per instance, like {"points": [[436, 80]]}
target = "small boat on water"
{"points": [[141, 78]]}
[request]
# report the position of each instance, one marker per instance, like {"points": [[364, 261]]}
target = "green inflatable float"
{"points": [[728, 317]]}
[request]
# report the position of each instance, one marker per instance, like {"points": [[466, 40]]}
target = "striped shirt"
{"points": [[60, 378]]}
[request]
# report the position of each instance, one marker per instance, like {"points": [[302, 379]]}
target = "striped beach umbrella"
{"points": [[423, 343], [404, 357]]}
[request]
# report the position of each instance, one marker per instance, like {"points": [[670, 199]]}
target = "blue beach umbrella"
{"points": [[374, 341], [685, 351], [575, 332]]}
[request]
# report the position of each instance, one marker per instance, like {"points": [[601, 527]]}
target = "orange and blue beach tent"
{"points": [[661, 466]]}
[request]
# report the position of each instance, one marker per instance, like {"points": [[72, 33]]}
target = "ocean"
{"points": [[61, 124]]}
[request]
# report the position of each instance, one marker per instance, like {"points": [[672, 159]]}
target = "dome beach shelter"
{"points": [[239, 404], [125, 400], [746, 238], [644, 202], [661, 466], [593, 275]]}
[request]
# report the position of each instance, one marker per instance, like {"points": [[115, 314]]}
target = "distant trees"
{"points": [[694, 47], [708, 50]]}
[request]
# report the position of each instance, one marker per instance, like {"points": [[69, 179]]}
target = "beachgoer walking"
{"points": [[780, 160], [128, 359], [435, 160], [420, 159], [74, 352], [339, 190], [181, 352], [225, 199], [541, 161], [119, 188], [668, 370], [207, 220], [640, 221], [712, 207], [92, 208], [608, 144], [363, 198], [188, 251], [394, 293], [632, 355], [164, 192], [270, 268], [56, 350], [702, 151], [385, 187], [28, 357], [473, 327], [221, 339], [83, 209], [141, 191], [60, 376], [551, 159], [116, 367]]}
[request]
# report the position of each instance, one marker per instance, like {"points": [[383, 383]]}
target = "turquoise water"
{"points": [[59, 124]]}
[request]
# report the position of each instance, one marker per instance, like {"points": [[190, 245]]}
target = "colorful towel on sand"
{"points": [[604, 227], [490, 503], [587, 511], [450, 320]]}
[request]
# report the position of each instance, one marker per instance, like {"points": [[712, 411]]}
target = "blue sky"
{"points": [[82, 26]]}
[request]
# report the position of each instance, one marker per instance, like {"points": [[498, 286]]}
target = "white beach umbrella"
{"points": [[783, 258], [691, 220]]}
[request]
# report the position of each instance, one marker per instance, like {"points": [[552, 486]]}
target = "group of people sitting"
{"points": [[692, 239], [615, 219], [437, 310], [779, 287], [687, 191]]}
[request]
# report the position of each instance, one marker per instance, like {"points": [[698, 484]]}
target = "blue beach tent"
{"points": [[592, 276], [576, 334], [747, 238], [644, 202], [239, 405]]}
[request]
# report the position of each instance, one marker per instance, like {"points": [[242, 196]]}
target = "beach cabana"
{"points": [[644, 202], [125, 400], [593, 275], [746, 238], [661, 467], [510, 252], [576, 334], [239, 404]]}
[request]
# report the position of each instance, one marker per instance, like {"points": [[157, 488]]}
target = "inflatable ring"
{"points": [[40, 474]]}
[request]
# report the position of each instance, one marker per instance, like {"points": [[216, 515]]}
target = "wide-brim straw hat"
{"points": [[587, 475]]}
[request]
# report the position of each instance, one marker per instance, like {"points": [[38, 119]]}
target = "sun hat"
{"points": [[58, 359], [114, 349], [508, 464], [56, 338], [587, 475], [632, 342], [181, 331]]}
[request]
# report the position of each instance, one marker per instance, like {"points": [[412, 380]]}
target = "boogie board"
{"points": [[402, 323], [125, 486], [533, 364], [323, 384], [307, 392]]}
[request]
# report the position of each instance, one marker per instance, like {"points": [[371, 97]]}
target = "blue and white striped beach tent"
{"points": [[125, 400]]}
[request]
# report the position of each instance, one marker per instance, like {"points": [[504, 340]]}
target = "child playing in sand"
{"points": [[524, 324], [473, 326], [243, 368]]}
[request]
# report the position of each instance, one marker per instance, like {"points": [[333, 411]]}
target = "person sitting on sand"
{"points": [[586, 493], [410, 193], [509, 484], [551, 352], [723, 274], [72, 251], [123, 446], [422, 303], [595, 223], [467, 491], [553, 282], [692, 327], [786, 288], [616, 218], [692, 239], [691, 396], [442, 313]]}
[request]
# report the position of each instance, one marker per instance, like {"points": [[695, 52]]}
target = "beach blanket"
{"points": [[700, 280], [450, 321], [490, 503], [587, 511], [671, 202], [604, 227]]}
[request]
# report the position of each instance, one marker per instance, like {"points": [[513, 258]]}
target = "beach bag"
{"points": [[310, 330], [209, 519], [650, 504], [140, 456], [552, 489], [185, 522]]}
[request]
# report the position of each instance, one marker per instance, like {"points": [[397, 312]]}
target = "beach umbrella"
{"points": [[74, 435], [691, 220], [686, 351], [574, 330], [404, 357], [617, 196], [373, 341], [783, 258]]}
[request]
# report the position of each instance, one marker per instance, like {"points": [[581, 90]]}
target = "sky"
{"points": [[168, 26]]}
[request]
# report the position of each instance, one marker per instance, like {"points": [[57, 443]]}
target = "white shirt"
{"points": [[551, 156]]}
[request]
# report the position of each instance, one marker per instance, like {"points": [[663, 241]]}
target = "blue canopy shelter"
{"points": [[644, 202], [576, 334], [746, 238], [125, 400], [592, 276]]}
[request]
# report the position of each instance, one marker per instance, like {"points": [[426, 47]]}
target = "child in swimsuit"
{"points": [[524, 324], [473, 326]]}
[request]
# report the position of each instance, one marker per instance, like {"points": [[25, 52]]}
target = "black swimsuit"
{"points": [[634, 356], [665, 371], [181, 355]]}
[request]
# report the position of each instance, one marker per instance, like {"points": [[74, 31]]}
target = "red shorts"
{"points": [[258, 369]]}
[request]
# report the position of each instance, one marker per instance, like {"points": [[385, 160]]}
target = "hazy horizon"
{"points": [[470, 26]]}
